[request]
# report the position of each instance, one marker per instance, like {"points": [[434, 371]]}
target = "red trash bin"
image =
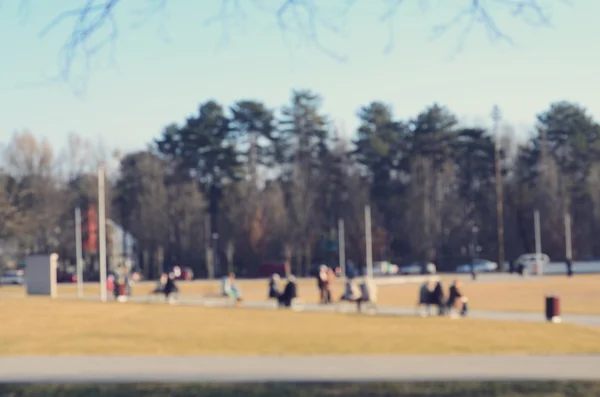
{"points": [[553, 308]]}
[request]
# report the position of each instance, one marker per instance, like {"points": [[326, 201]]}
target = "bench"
{"points": [[296, 305], [343, 306]]}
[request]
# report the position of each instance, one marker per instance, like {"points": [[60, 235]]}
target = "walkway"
{"points": [[581, 319], [316, 368]]}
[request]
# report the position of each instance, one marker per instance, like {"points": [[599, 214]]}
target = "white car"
{"points": [[479, 266], [532, 262], [15, 277]]}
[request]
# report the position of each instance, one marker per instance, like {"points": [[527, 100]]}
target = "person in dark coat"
{"points": [[290, 292], [456, 300], [437, 297], [569, 268], [170, 287]]}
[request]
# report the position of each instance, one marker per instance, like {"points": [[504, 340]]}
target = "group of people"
{"points": [[290, 291], [166, 284], [359, 290], [432, 293]]}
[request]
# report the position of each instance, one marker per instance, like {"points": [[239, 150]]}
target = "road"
{"points": [[316, 368]]}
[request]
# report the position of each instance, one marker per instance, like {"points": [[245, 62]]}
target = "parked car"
{"points": [[531, 262], [430, 268], [268, 268], [185, 273], [413, 268], [479, 266], [13, 276]]}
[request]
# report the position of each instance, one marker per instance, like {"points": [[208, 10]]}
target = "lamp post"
{"points": [[499, 190], [102, 232], [368, 242], [474, 250], [215, 249]]}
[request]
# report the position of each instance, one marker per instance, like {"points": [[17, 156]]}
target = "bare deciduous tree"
{"points": [[77, 157], [31, 163]]}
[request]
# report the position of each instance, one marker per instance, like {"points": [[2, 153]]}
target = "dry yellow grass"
{"points": [[40, 326], [579, 295]]}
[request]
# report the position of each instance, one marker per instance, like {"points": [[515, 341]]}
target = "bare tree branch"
{"points": [[88, 36], [95, 25], [477, 13]]}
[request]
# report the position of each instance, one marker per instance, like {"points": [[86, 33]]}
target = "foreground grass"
{"points": [[38, 326], [579, 295], [429, 389]]}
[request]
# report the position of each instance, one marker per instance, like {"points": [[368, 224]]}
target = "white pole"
{"points": [[342, 247], [568, 242], [538, 241], [78, 252], [102, 233], [368, 241]]}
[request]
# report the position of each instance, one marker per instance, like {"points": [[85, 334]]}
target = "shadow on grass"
{"points": [[429, 389]]}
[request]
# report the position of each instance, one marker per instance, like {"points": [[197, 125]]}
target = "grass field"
{"points": [[579, 295], [40, 326], [426, 389]]}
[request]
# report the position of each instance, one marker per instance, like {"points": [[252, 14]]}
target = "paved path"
{"points": [[317, 368], [581, 319]]}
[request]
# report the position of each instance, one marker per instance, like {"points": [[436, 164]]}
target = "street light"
{"points": [[499, 191], [474, 250], [215, 238]]}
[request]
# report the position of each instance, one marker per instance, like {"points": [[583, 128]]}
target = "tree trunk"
{"points": [[307, 258], [210, 269], [230, 253], [160, 258], [288, 253]]}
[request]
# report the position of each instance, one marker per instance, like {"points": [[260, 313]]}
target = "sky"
{"points": [[162, 65]]}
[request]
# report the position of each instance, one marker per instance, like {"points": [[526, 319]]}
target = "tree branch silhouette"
{"points": [[95, 25]]}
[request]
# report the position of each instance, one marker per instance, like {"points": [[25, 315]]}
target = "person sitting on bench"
{"points": [[274, 292], [351, 291], [368, 293], [431, 293], [425, 292], [170, 287], [456, 300], [438, 298], [230, 289], [290, 292], [160, 285]]}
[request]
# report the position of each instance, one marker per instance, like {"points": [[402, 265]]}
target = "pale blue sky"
{"points": [[156, 80]]}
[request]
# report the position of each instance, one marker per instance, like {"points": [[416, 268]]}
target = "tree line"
{"points": [[235, 186]]}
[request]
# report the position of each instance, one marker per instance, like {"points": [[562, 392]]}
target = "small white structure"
{"points": [[40, 274]]}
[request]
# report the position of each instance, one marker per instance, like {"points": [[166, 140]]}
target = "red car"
{"points": [[182, 273], [63, 276]]}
